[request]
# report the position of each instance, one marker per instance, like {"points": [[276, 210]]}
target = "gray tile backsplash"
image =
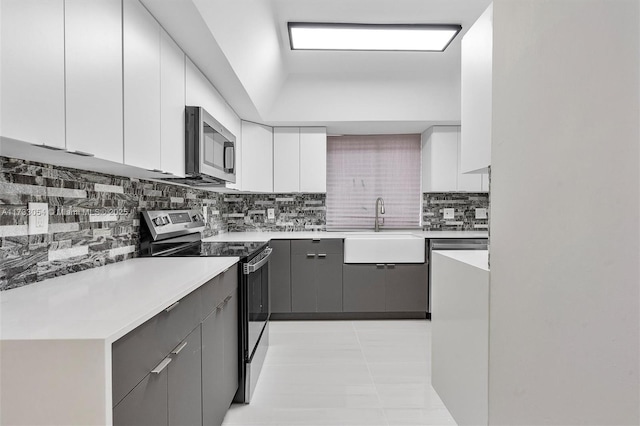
{"points": [[292, 212], [464, 205], [93, 218]]}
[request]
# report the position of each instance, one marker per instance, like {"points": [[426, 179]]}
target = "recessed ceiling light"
{"points": [[402, 37]]}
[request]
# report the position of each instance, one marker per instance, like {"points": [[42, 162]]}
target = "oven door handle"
{"points": [[251, 267]]}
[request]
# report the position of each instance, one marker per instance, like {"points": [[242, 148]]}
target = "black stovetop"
{"points": [[243, 249]]}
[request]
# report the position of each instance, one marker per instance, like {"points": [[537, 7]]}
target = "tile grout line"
{"points": [[366, 363]]}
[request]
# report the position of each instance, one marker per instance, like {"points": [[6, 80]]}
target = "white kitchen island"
{"points": [[56, 335], [460, 333]]}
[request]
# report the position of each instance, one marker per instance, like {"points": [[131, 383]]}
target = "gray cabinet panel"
{"points": [[329, 283], [326, 246], [280, 279], [213, 398], [303, 283], [406, 288], [364, 288], [231, 356], [145, 405], [184, 377]]}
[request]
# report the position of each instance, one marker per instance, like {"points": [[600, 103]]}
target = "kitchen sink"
{"points": [[384, 248]]}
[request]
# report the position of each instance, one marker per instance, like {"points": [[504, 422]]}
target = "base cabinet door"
{"points": [[406, 288], [303, 283], [146, 404], [329, 283], [184, 377], [280, 279], [364, 288], [214, 406]]}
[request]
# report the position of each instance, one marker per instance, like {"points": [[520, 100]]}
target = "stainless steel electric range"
{"points": [[177, 233]]}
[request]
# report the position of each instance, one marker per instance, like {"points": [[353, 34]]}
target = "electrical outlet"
{"points": [[205, 213], [449, 213], [38, 218], [481, 213], [271, 213]]}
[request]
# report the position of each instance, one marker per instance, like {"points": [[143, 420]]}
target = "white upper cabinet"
{"points": [[299, 159], [286, 159], [477, 54], [93, 59], [441, 163], [257, 157], [171, 106], [141, 55], [313, 159], [32, 83], [440, 159]]}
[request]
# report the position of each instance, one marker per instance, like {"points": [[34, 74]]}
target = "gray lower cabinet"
{"points": [[280, 279], [406, 288], [146, 404], [316, 276], [364, 288], [219, 360], [181, 366], [385, 288]]}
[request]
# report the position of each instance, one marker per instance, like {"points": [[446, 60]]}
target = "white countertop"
{"points": [[266, 236], [475, 258], [103, 303]]}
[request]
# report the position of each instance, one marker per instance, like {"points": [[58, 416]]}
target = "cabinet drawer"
{"points": [[325, 246], [217, 289], [137, 353]]}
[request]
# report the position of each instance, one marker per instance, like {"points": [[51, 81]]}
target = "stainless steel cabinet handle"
{"points": [[83, 154], [177, 350], [161, 366], [52, 148], [226, 269], [315, 240], [310, 255], [379, 265], [155, 170], [172, 306], [322, 255], [228, 298], [391, 265]]}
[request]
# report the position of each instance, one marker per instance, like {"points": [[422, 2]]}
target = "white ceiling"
{"points": [[243, 48]]}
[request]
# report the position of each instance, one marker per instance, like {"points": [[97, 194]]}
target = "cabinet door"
{"points": [[214, 406], [231, 355], [313, 159], [172, 103], [364, 288], [141, 62], [440, 159], [280, 279], [286, 159], [146, 404], [328, 281], [184, 382], [467, 181], [93, 73], [257, 157], [303, 283], [32, 94], [406, 288]]}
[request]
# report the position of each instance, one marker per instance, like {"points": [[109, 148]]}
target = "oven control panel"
{"points": [[170, 223]]}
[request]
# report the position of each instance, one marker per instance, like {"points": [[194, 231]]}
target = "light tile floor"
{"points": [[345, 373]]}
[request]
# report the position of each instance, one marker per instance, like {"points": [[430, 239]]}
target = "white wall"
{"points": [[565, 197]]}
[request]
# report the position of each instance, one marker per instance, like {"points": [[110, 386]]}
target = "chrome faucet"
{"points": [[379, 210]]}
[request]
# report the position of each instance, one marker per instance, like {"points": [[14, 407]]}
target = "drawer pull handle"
{"points": [[170, 308], [315, 240], [310, 255], [177, 350], [379, 265], [391, 265], [323, 255], [226, 299], [225, 271], [161, 366]]}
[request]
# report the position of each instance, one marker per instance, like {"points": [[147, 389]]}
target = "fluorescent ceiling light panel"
{"points": [[402, 37]]}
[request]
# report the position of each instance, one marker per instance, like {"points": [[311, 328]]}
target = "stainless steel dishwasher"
{"points": [[452, 244]]}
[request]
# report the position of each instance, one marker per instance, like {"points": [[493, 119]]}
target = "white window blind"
{"points": [[362, 168]]}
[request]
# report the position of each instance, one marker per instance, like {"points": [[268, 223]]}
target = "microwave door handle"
{"points": [[229, 158]]}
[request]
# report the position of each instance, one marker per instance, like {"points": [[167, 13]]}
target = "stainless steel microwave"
{"points": [[209, 149]]}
